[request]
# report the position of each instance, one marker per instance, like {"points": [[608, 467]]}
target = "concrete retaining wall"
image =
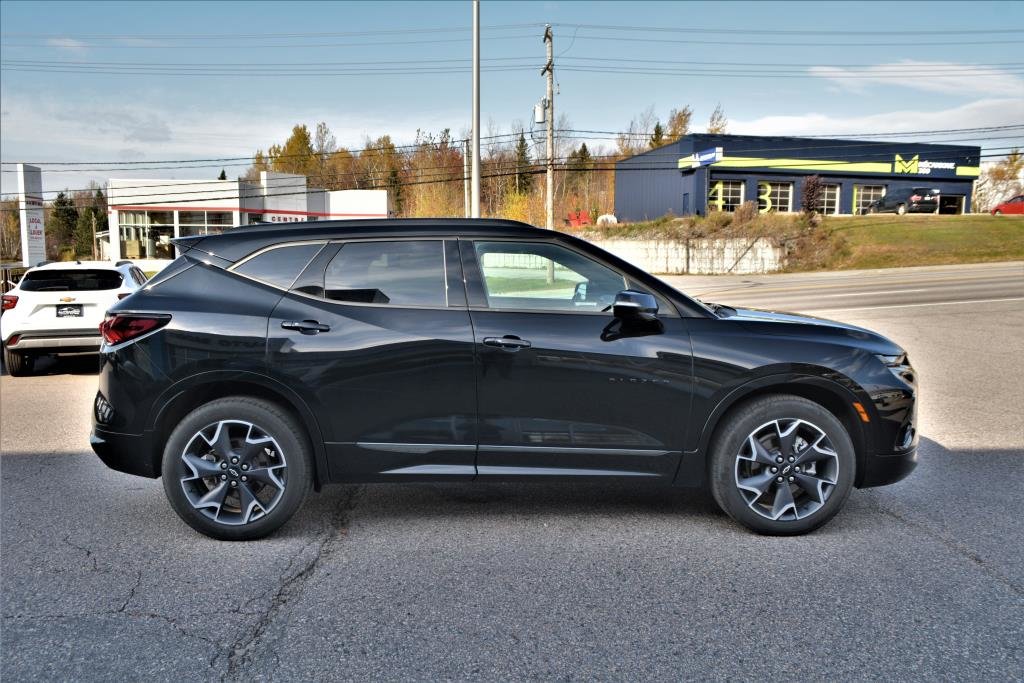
{"points": [[698, 257]]}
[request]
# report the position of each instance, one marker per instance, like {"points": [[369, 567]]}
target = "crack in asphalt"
{"points": [[82, 548], [242, 652], [131, 593], [937, 535]]}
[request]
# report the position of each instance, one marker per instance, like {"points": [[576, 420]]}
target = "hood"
{"points": [[797, 325]]}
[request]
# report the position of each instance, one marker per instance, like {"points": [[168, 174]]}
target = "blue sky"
{"points": [[804, 48]]}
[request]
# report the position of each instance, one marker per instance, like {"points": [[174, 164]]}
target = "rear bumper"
{"points": [[130, 453], [66, 341]]}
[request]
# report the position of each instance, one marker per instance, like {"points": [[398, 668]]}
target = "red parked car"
{"points": [[1012, 206]]}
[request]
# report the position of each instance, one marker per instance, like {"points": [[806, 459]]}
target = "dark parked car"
{"points": [[269, 360], [907, 200]]}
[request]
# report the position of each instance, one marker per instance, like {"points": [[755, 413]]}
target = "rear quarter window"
{"points": [[70, 280], [279, 266]]}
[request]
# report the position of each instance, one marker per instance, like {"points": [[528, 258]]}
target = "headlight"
{"points": [[898, 365]]}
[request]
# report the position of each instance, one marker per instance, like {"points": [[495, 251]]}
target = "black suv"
{"points": [[269, 360], [907, 200]]}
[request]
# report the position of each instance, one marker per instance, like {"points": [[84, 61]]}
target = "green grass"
{"points": [[893, 241], [503, 286]]}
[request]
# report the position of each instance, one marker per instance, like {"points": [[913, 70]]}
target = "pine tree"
{"points": [[523, 177], [658, 136], [63, 218], [223, 175], [83, 232]]}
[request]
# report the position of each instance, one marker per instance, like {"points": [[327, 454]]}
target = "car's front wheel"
{"points": [[237, 468], [781, 465], [18, 363]]}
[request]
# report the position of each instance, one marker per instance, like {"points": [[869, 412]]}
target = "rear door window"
{"points": [[70, 280], [390, 272], [279, 266]]}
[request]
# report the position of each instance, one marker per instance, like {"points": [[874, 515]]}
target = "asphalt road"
{"points": [[920, 580]]}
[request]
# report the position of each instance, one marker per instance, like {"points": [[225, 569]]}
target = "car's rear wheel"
{"points": [[901, 209], [781, 465], [997, 212], [18, 363], [237, 468]]}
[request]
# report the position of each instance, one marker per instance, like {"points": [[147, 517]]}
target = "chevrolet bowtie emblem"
{"points": [[67, 299]]}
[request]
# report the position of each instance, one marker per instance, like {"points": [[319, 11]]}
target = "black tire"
{"points": [[725, 461], [18, 363], [901, 209], [289, 445]]}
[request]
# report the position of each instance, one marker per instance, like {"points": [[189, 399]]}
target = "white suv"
{"points": [[58, 307]]}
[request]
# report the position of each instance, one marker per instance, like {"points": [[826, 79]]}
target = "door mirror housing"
{"points": [[633, 305]]}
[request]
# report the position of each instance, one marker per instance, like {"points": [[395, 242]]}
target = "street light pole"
{"points": [[476, 111]]}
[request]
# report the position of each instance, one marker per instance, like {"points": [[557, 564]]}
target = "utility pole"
{"points": [[475, 200], [549, 69], [465, 175]]}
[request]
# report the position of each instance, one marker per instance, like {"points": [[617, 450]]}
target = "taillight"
{"points": [[120, 328], [10, 301]]}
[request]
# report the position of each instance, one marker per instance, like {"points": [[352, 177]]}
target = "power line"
{"points": [[581, 133], [785, 32], [219, 36]]}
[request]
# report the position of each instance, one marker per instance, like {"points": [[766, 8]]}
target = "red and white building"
{"points": [[144, 215]]}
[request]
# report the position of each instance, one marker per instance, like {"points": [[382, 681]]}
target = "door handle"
{"points": [[306, 326], [509, 342]]}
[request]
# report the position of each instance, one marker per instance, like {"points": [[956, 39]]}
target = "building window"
{"points": [[203, 222], [146, 234], [725, 195], [774, 197], [864, 195], [828, 203]]}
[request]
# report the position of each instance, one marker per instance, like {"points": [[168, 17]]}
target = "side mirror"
{"points": [[632, 305]]}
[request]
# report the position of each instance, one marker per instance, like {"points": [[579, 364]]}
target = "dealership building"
{"points": [[145, 215], [702, 172]]}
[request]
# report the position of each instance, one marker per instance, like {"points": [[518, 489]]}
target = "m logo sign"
{"points": [[909, 166]]}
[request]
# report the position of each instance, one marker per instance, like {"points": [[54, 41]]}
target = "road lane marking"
{"points": [[773, 288], [891, 291], [930, 303]]}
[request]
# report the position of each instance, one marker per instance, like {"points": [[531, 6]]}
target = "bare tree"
{"points": [[718, 123]]}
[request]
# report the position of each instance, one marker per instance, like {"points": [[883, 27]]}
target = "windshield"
{"points": [[77, 280]]}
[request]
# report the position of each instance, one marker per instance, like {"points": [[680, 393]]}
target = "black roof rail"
{"points": [[44, 263], [124, 262]]}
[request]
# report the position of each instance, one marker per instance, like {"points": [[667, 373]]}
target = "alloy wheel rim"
{"points": [[786, 469], [233, 472]]}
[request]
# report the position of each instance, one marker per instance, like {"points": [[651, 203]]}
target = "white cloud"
{"points": [[45, 127], [942, 77], [68, 44], [978, 114]]}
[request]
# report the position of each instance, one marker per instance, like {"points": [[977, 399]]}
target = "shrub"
{"points": [[813, 188]]}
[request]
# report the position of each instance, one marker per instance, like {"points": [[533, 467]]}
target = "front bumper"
{"points": [[130, 453], [881, 470]]}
